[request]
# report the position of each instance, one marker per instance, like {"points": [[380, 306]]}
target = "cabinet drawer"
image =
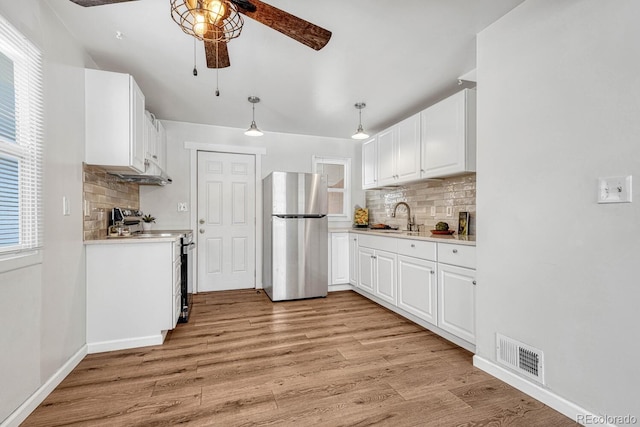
{"points": [[461, 255], [388, 244], [417, 249]]}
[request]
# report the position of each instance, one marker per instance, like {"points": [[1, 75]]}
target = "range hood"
{"points": [[153, 175]]}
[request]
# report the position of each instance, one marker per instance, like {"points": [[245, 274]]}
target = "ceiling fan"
{"points": [[215, 42]]}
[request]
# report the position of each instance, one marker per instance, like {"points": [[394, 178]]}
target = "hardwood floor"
{"points": [[245, 361]]}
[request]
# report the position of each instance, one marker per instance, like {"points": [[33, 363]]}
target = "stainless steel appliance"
{"points": [[295, 236], [186, 277]]}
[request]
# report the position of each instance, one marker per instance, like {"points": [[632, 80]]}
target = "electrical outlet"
{"points": [[449, 211], [615, 189], [433, 211], [182, 207]]}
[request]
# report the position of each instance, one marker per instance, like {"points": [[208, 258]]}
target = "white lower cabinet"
{"points": [[417, 287], [385, 276], [457, 301], [339, 257], [435, 282], [133, 293], [353, 259], [366, 272], [377, 260]]}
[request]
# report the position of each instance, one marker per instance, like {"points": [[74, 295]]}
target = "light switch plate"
{"points": [[615, 189], [449, 211], [433, 211], [182, 207]]}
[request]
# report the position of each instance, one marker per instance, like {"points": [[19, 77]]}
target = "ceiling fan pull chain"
{"points": [[195, 70], [217, 72]]}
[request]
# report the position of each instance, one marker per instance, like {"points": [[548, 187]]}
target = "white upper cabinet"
{"points": [[399, 152], [449, 136], [115, 122], [370, 163], [162, 146], [386, 156], [155, 141]]}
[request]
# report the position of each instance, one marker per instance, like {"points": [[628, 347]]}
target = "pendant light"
{"points": [[253, 129], [360, 133]]}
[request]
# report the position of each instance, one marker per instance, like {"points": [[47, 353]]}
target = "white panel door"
{"points": [[226, 221]]}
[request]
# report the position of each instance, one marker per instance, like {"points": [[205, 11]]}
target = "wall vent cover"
{"points": [[524, 359]]}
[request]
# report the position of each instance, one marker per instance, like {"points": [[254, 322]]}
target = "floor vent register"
{"points": [[524, 359]]}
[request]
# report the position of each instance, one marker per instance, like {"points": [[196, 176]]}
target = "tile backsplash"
{"points": [[103, 192], [457, 192]]}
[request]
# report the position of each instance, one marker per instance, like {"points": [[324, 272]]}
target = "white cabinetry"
{"points": [[370, 163], [133, 293], [399, 152], [430, 282], [353, 259], [155, 141], [377, 261], [114, 121], [417, 280], [339, 257], [449, 136], [456, 290]]}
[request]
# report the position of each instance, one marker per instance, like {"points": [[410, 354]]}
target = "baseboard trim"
{"points": [[29, 405], [549, 398], [101, 347], [343, 287]]}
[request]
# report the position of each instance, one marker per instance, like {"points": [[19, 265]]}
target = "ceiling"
{"points": [[397, 56]]}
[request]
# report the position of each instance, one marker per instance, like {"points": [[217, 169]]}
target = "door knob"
{"points": [[201, 221], [202, 231]]}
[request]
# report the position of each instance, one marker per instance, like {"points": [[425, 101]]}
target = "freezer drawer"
{"points": [[298, 258]]}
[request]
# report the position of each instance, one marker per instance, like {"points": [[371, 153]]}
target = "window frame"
{"points": [[27, 148], [345, 162]]}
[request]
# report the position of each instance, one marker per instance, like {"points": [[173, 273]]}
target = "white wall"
{"points": [[286, 152], [42, 307], [558, 107]]}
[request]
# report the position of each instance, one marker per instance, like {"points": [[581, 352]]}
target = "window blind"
{"points": [[21, 140]]}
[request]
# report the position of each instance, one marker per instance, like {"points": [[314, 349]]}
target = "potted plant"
{"points": [[147, 220]]}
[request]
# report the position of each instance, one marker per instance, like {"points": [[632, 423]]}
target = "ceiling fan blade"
{"points": [[88, 3], [298, 29], [216, 53]]}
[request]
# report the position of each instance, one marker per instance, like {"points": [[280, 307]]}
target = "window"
{"points": [[20, 142], [338, 172]]}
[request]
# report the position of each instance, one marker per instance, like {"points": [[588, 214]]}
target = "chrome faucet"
{"points": [[410, 223]]}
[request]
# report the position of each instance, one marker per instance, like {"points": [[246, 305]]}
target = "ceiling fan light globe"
{"points": [[217, 11], [200, 26]]}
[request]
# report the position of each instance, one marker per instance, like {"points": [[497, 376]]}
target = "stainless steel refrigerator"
{"points": [[295, 236]]}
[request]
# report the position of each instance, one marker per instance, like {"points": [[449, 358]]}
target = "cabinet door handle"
{"points": [[413, 246], [474, 282], [432, 272], [455, 251]]}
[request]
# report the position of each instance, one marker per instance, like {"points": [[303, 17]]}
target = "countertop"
{"points": [[153, 236], [414, 235]]}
